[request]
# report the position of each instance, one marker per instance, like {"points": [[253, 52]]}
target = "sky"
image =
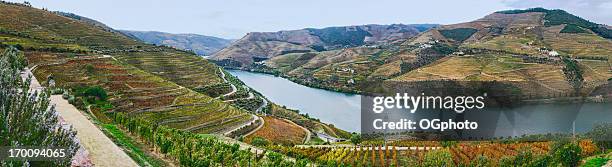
{"points": [[232, 19]]}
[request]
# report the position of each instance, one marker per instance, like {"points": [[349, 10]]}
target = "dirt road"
{"points": [[102, 150]]}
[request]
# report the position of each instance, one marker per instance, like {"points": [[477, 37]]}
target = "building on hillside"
{"points": [[553, 53]]}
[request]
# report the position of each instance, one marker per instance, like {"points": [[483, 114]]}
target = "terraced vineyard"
{"points": [[423, 153], [279, 131], [159, 84], [139, 93], [534, 79], [190, 71]]}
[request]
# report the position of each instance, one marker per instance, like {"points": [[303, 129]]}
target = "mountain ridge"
{"points": [[200, 44], [257, 46], [521, 46]]}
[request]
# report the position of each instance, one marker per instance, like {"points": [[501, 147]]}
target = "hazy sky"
{"points": [[234, 18]]}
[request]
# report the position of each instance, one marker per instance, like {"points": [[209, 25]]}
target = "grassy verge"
{"points": [[131, 147], [596, 162]]}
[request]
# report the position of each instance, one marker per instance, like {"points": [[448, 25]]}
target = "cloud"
{"points": [[599, 11]]}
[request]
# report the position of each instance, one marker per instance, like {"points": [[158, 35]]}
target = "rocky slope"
{"points": [[551, 49], [200, 44], [258, 46]]}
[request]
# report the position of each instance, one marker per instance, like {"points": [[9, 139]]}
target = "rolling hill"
{"points": [[553, 50], [164, 85], [258, 46], [200, 44], [76, 54]]}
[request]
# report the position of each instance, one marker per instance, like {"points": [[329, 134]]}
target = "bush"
{"points": [[89, 68], [441, 157], [259, 141], [544, 160], [596, 162], [356, 138], [71, 100], [482, 161], [568, 154], [57, 91], [506, 162], [601, 134], [96, 92]]}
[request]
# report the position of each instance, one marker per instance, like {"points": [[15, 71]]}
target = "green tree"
{"points": [[95, 92], [356, 138]]}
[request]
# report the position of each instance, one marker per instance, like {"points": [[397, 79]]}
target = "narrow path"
{"points": [[365, 147], [255, 118], [251, 96], [102, 150], [259, 127], [234, 89]]}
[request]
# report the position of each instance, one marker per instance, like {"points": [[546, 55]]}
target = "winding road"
{"points": [[234, 89]]}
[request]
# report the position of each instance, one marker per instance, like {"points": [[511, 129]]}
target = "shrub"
{"points": [[601, 134], [57, 91], [89, 68], [568, 154], [506, 162], [259, 141], [441, 157], [356, 138], [93, 92], [482, 161]]}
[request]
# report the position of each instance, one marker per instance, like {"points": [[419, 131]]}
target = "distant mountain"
{"points": [[551, 50], [200, 44], [256, 46]]}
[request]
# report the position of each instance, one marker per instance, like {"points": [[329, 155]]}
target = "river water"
{"points": [[343, 110], [340, 109]]}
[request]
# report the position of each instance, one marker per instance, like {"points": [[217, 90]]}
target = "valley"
{"points": [[503, 46], [295, 97]]}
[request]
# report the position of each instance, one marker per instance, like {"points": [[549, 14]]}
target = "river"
{"points": [[343, 110], [340, 109]]}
